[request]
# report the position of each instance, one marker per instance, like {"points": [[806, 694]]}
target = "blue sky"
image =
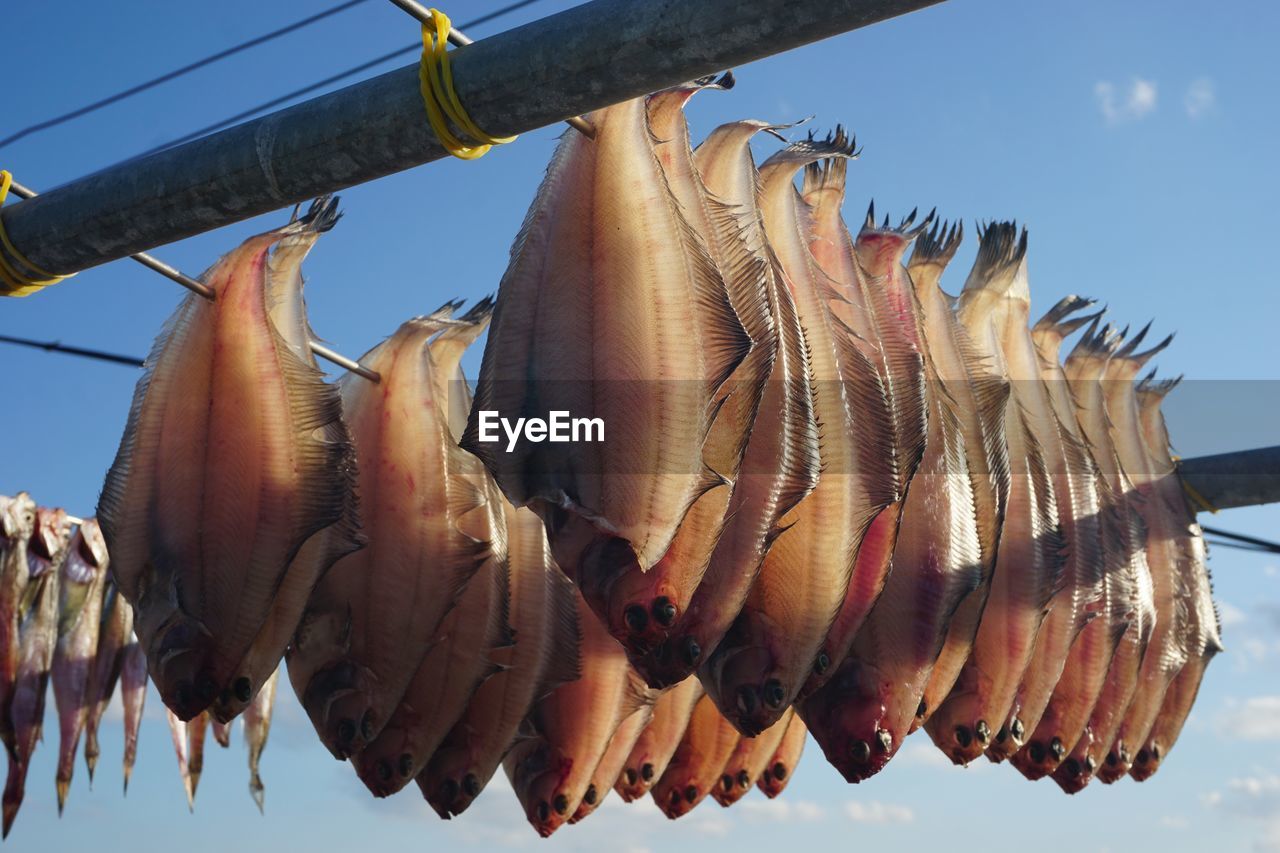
{"points": [[1137, 142]]}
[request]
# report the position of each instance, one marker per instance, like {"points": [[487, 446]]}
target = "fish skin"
{"points": [[1029, 565], [17, 524], [606, 772], [1085, 672], [880, 308], [544, 621], [708, 743], [287, 310], [656, 745], [1081, 598], [747, 764], [780, 464], [780, 769], [655, 295], [115, 629], [257, 725], [133, 696], [661, 594], [371, 619], [764, 660], [80, 590], [224, 378], [569, 729], [981, 397], [1205, 630], [1172, 578], [38, 637], [1125, 535]]}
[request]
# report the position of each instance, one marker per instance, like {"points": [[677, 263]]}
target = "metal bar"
{"points": [[199, 287], [1243, 478], [58, 346], [548, 71]]}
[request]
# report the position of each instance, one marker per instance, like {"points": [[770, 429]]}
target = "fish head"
{"points": [[236, 696], [854, 721], [539, 779], [93, 547], [735, 782], [591, 800], [337, 699], [17, 517], [389, 763], [774, 778], [1078, 770], [637, 606], [48, 538], [451, 781], [1040, 756], [1117, 763], [638, 775], [677, 792], [959, 726], [750, 689], [1147, 760], [179, 657]]}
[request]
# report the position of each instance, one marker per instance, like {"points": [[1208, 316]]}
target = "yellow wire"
{"points": [[435, 81], [13, 281]]}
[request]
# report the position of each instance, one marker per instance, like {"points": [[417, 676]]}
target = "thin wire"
{"points": [[58, 346], [1248, 543], [179, 72], [408, 50]]}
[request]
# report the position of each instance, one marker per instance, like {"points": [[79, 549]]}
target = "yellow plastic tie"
{"points": [[435, 80], [1200, 501], [13, 281]]}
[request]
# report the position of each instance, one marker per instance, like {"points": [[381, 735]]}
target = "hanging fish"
{"points": [[1029, 566], [114, 631], [748, 762], [1085, 671], [782, 765], [197, 732], [1204, 627], [981, 397], [879, 307], [234, 455], [80, 585], [1172, 578], [695, 769], [37, 639], [1124, 535], [544, 622], [133, 696], [642, 337], [17, 524], [606, 772], [656, 745], [180, 735], [257, 725], [763, 661], [863, 713], [373, 616], [569, 729], [640, 604], [221, 732], [1072, 479], [780, 463]]}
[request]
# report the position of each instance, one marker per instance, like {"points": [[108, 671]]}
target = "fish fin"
{"points": [[870, 404], [564, 663], [801, 461], [1001, 249], [837, 144], [937, 245], [1046, 529]]}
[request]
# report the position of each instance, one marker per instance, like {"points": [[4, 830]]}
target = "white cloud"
{"points": [[1257, 718], [1136, 101], [922, 753], [1174, 822], [1200, 98], [878, 812], [1257, 797], [1230, 615], [781, 811]]}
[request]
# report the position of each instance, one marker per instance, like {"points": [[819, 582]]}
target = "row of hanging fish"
{"points": [[827, 497], [66, 624]]}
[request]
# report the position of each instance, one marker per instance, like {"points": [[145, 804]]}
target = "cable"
{"points": [[178, 72], [1246, 543], [57, 346], [405, 51]]}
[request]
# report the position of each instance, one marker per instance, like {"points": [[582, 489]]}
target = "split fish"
{"points": [[747, 763], [780, 768], [133, 696], [606, 772], [656, 745], [695, 769], [257, 725], [17, 524], [114, 632]]}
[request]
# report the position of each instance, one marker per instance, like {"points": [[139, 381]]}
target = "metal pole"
{"points": [[548, 71], [1241, 478]]}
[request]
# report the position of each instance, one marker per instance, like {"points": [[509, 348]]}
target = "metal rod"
{"points": [[1243, 478], [199, 287], [565, 65], [460, 39], [58, 346]]}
